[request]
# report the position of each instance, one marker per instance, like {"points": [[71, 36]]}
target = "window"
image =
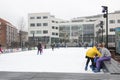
{"points": [[32, 32], [39, 32], [38, 24], [45, 32], [45, 17], [56, 33], [118, 21], [32, 17], [112, 21], [56, 27], [32, 24], [39, 17], [45, 24], [53, 21], [52, 27], [112, 29], [111, 38], [53, 33]]}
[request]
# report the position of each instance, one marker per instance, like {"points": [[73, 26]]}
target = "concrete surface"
{"points": [[57, 76]]}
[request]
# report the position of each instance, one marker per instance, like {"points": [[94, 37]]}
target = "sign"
{"points": [[117, 39]]}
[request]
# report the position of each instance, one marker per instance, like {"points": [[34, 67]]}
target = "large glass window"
{"points": [[74, 27]]}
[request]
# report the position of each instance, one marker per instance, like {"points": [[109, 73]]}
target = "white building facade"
{"points": [[42, 27], [46, 28]]}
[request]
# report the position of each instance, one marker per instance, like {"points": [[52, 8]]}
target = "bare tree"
{"points": [[21, 28]]}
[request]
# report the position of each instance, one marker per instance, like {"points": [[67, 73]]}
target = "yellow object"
{"points": [[92, 52]]}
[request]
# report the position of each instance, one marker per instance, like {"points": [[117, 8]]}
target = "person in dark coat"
{"points": [[39, 46], [1, 48], [53, 45]]}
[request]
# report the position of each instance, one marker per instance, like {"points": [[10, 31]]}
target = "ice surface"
{"points": [[60, 60]]}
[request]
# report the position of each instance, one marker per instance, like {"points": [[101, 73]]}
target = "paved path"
{"points": [[56, 76]]}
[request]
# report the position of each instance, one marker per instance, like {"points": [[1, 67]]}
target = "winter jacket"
{"points": [[39, 46], [105, 52], [93, 52]]}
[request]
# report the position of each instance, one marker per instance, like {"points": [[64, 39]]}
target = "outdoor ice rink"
{"points": [[67, 60]]}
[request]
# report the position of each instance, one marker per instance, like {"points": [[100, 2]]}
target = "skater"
{"points": [[106, 56], [39, 46], [90, 54], [1, 48], [53, 45]]}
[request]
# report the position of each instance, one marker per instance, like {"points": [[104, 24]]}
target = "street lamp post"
{"points": [[20, 35], [34, 40], [105, 15], [101, 25]]}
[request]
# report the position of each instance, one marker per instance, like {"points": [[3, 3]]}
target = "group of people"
{"points": [[40, 48], [97, 54]]}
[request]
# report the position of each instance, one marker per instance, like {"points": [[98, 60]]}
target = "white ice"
{"points": [[67, 60]]}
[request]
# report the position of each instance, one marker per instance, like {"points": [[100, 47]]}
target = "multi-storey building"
{"points": [[113, 23], [83, 29], [77, 30], [43, 27], [8, 33]]}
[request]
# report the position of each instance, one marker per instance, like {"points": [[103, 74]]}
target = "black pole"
{"points": [[105, 11], [102, 34], [34, 39], [107, 27], [20, 33], [101, 26]]}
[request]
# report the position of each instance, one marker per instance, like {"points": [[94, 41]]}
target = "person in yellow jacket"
{"points": [[90, 54]]}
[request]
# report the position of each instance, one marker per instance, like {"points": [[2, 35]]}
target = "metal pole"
{"points": [[82, 34], [102, 34], [34, 40], [20, 33], [107, 27], [105, 10]]}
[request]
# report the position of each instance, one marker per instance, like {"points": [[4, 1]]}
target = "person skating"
{"points": [[90, 54], [53, 45], [1, 48], [39, 46]]}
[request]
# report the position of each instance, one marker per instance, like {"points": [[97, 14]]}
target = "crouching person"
{"points": [[90, 54]]}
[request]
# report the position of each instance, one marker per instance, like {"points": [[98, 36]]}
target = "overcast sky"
{"points": [[15, 10]]}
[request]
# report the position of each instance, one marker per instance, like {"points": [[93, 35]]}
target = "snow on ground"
{"points": [[60, 60]]}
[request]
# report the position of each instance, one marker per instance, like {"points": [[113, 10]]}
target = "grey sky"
{"points": [[14, 10]]}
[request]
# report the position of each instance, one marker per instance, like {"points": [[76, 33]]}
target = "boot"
{"points": [[86, 67], [96, 70]]}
